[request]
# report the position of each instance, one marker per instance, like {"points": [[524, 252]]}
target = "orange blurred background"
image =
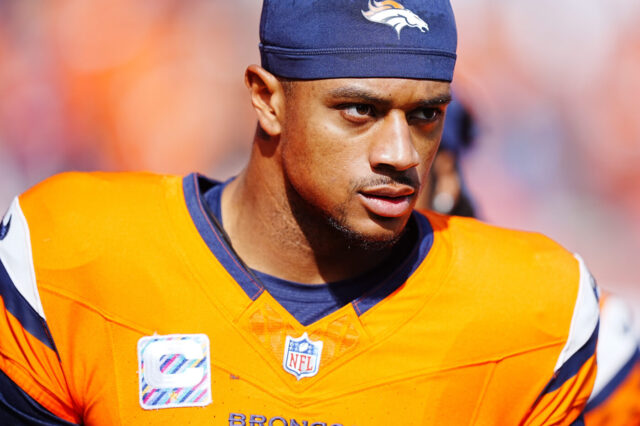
{"points": [[158, 85]]}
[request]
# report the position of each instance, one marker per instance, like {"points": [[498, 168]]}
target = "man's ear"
{"points": [[267, 97]]}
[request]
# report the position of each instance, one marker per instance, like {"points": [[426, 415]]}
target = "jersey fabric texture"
{"points": [[616, 394], [121, 304]]}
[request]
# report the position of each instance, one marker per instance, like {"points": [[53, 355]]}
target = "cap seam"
{"points": [[304, 52]]}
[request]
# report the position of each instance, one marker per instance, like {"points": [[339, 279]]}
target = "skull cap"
{"points": [[317, 39]]}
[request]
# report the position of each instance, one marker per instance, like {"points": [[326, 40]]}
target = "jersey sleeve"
{"points": [[616, 393], [563, 399], [33, 388]]}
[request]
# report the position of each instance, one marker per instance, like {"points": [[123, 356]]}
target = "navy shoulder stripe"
{"points": [[19, 409], [21, 309], [18, 286], [581, 341], [571, 367]]}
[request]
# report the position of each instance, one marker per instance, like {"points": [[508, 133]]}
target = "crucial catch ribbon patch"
{"points": [[174, 371]]}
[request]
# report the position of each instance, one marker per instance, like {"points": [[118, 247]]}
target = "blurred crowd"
{"points": [[556, 85], [115, 84], [158, 85]]}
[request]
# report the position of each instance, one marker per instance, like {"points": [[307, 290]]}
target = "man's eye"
{"points": [[358, 110], [425, 114]]}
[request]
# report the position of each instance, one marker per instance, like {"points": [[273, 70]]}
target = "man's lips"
{"points": [[388, 201]]}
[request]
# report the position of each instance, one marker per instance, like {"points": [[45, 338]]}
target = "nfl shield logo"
{"points": [[302, 356]]}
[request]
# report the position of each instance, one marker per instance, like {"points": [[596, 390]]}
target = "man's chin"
{"points": [[364, 241]]}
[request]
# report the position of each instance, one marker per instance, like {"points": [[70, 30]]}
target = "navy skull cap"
{"points": [[317, 39]]}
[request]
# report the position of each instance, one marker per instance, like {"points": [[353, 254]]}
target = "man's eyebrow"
{"points": [[435, 101], [358, 94]]}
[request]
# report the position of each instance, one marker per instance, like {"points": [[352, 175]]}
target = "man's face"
{"points": [[356, 151]]}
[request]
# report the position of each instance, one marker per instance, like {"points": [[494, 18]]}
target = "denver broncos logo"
{"points": [[394, 14]]}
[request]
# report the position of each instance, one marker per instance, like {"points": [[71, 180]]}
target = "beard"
{"points": [[338, 221], [359, 240], [320, 225]]}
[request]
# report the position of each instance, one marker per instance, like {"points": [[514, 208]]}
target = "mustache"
{"points": [[409, 179]]}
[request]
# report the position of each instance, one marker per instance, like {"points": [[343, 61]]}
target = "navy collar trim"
{"points": [[195, 185], [400, 276]]}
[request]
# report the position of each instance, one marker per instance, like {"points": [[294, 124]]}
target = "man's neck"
{"points": [[267, 236]]}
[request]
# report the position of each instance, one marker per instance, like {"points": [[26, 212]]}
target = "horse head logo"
{"points": [[394, 14]]}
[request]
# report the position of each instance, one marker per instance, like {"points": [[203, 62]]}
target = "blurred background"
{"points": [[158, 85]]}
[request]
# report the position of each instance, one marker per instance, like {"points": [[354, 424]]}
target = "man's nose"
{"points": [[393, 147]]}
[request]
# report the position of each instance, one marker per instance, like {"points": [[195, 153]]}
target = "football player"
{"points": [[306, 290]]}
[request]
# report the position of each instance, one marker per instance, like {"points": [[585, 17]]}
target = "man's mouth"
{"points": [[388, 201]]}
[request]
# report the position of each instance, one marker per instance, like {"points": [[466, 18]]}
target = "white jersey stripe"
{"points": [[585, 315], [16, 256]]}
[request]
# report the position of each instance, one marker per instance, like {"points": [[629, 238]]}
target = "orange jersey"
{"points": [[122, 305], [616, 393]]}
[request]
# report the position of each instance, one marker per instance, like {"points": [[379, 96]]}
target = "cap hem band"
{"points": [[312, 64]]}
